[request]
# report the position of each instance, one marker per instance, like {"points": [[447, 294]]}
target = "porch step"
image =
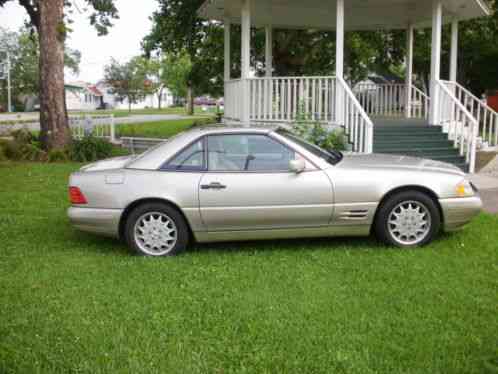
{"points": [[416, 139]]}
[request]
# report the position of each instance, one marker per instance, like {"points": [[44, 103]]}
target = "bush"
{"points": [[23, 136], [3, 156], [11, 149], [90, 149], [316, 133], [58, 155], [32, 152]]}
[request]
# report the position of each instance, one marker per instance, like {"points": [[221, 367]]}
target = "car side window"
{"points": [[191, 158], [246, 152]]}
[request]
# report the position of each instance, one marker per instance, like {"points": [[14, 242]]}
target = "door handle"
{"points": [[213, 186]]}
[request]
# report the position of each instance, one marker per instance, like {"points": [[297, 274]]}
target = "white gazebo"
{"points": [[329, 99]]}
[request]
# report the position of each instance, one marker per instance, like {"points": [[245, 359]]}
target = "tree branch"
{"points": [[33, 12]]}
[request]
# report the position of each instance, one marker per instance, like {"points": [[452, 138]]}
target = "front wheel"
{"points": [[408, 219], [156, 229]]}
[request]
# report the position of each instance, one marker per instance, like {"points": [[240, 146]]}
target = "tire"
{"points": [[166, 235], [400, 220]]}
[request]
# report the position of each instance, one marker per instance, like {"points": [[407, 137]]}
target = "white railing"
{"points": [[484, 114], [99, 126], [389, 100], [381, 99], [462, 127], [287, 99], [233, 100], [420, 103], [357, 124]]}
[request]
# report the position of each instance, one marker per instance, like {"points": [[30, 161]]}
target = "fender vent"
{"points": [[354, 214]]}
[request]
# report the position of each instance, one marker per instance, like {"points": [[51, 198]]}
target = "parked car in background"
{"points": [[221, 183]]}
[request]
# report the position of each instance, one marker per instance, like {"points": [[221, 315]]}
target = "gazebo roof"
{"points": [[359, 14]]}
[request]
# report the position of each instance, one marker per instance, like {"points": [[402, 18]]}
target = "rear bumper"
{"points": [[96, 221], [458, 212]]}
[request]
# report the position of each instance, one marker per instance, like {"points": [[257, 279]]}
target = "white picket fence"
{"points": [[101, 126]]}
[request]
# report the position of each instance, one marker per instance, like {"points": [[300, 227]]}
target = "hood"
{"points": [[108, 164], [390, 162]]}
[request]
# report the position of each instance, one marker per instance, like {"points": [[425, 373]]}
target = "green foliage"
{"points": [[3, 156], [90, 148], [25, 53], [23, 147], [316, 133], [58, 155], [128, 80], [176, 72]]}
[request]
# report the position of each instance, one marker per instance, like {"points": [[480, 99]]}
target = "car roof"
{"points": [[222, 128]]}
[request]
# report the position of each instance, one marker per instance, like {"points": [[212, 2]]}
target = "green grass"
{"points": [[72, 302], [162, 129]]}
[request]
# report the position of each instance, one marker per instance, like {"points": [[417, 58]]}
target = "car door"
{"points": [[248, 186]]}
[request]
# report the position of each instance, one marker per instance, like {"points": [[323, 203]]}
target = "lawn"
{"points": [[161, 129], [72, 302]]}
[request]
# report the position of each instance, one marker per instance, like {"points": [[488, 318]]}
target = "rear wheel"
{"points": [[408, 219], [156, 229]]}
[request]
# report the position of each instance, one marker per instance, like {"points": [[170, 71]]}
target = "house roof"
{"points": [[359, 14]]}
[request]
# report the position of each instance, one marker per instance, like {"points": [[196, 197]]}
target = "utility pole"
{"points": [[9, 93]]}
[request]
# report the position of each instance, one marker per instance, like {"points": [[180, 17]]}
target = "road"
{"points": [[135, 118]]}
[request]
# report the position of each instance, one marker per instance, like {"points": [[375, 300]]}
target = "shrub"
{"points": [[11, 149], [90, 149], [316, 133], [58, 155], [32, 152], [3, 156], [23, 136]]}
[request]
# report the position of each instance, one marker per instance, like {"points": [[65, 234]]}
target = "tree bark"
{"points": [[160, 98], [55, 132], [190, 101]]}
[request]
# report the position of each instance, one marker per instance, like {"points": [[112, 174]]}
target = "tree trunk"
{"points": [[190, 101], [55, 132], [159, 98]]}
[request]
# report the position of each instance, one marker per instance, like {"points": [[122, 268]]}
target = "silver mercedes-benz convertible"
{"points": [[224, 184]]}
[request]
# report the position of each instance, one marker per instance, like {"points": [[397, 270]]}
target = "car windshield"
{"points": [[331, 156]]}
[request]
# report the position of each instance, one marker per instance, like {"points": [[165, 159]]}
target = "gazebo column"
{"points": [[268, 51], [227, 49], [437, 20], [245, 60], [454, 51], [339, 62], [409, 71]]}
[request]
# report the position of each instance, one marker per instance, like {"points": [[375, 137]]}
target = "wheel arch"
{"points": [[425, 190], [148, 200]]}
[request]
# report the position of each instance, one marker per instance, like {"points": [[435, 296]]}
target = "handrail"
{"points": [[457, 102], [355, 101], [486, 116], [464, 137], [360, 129]]}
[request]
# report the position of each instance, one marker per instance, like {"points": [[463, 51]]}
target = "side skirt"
{"points": [[311, 232]]}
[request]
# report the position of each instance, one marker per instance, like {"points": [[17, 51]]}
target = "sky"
{"points": [[122, 42]]}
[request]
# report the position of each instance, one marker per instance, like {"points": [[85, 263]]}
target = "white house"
{"points": [[111, 101], [82, 96], [458, 117]]}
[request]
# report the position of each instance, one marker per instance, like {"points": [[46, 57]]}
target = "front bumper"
{"points": [[96, 221], [457, 212]]}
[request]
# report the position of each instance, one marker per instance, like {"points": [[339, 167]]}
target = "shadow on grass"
{"points": [[86, 242]]}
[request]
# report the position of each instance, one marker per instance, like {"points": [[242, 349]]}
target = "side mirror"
{"points": [[297, 166]]}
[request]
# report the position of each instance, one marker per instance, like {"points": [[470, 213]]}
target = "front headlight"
{"points": [[464, 189]]}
